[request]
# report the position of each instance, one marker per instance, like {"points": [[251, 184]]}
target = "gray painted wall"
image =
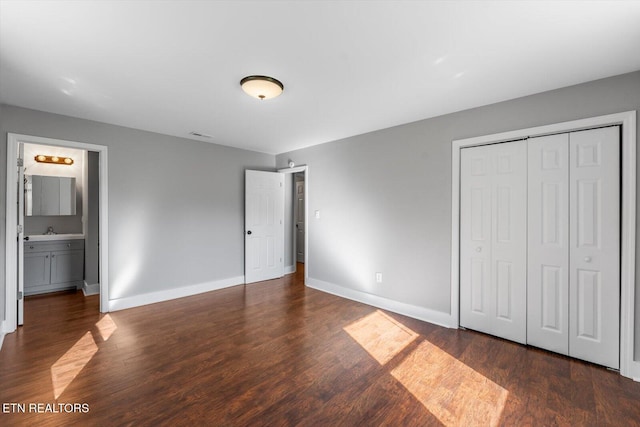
{"points": [[385, 197], [176, 206], [91, 241], [3, 213]]}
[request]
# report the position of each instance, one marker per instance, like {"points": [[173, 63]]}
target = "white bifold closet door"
{"points": [[574, 244], [548, 241], [493, 245]]}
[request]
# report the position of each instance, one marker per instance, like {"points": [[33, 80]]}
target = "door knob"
{"points": [[249, 232], [587, 259], [479, 249], [26, 238]]}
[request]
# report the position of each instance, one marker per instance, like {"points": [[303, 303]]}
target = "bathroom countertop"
{"points": [[49, 237]]}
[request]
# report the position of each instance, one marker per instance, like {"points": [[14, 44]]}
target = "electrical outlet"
{"points": [[378, 277]]}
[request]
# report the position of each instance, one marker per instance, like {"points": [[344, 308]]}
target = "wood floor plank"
{"points": [[278, 353]]}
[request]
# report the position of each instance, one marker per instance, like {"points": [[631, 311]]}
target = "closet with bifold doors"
{"points": [[540, 242]]}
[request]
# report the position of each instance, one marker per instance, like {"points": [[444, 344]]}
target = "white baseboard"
{"points": [[93, 289], [290, 269], [169, 294], [635, 371], [420, 313]]}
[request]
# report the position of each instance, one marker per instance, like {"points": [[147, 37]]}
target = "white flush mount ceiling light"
{"points": [[261, 87]]}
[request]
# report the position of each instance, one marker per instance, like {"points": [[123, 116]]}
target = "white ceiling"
{"points": [[348, 67]]}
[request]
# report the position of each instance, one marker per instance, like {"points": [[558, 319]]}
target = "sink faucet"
{"points": [[50, 230]]}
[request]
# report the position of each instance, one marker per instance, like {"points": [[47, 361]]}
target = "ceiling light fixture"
{"points": [[261, 87], [40, 158]]}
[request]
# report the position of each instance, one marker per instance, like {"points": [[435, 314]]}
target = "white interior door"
{"points": [[264, 225], [493, 242], [594, 259], [300, 215], [20, 216], [548, 241]]}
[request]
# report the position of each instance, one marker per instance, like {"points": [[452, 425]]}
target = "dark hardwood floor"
{"points": [[277, 354]]}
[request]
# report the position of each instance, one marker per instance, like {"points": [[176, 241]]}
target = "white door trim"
{"points": [[628, 367], [11, 243], [304, 169]]}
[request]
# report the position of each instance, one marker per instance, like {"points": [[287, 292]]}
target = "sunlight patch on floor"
{"points": [[106, 326], [449, 389], [381, 336], [71, 363]]}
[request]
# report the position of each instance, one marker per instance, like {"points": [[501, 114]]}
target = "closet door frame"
{"points": [[627, 120]]}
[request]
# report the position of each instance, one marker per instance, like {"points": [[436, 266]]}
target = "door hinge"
{"points": [[20, 228], [19, 295], [20, 162]]}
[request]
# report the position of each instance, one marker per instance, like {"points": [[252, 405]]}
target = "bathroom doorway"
{"points": [[61, 249], [60, 218]]}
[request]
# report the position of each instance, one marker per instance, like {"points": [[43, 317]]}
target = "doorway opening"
{"points": [[60, 218], [298, 218], [56, 240], [297, 238]]}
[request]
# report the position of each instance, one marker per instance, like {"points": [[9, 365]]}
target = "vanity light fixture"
{"points": [[56, 160], [261, 87]]}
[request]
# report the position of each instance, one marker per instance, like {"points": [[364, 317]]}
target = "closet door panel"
{"points": [[475, 238], [509, 240], [493, 240], [548, 243], [595, 245]]}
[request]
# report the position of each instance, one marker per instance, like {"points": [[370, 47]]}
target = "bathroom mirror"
{"points": [[49, 195]]}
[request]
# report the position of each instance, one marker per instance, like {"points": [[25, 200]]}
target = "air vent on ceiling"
{"points": [[201, 135]]}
